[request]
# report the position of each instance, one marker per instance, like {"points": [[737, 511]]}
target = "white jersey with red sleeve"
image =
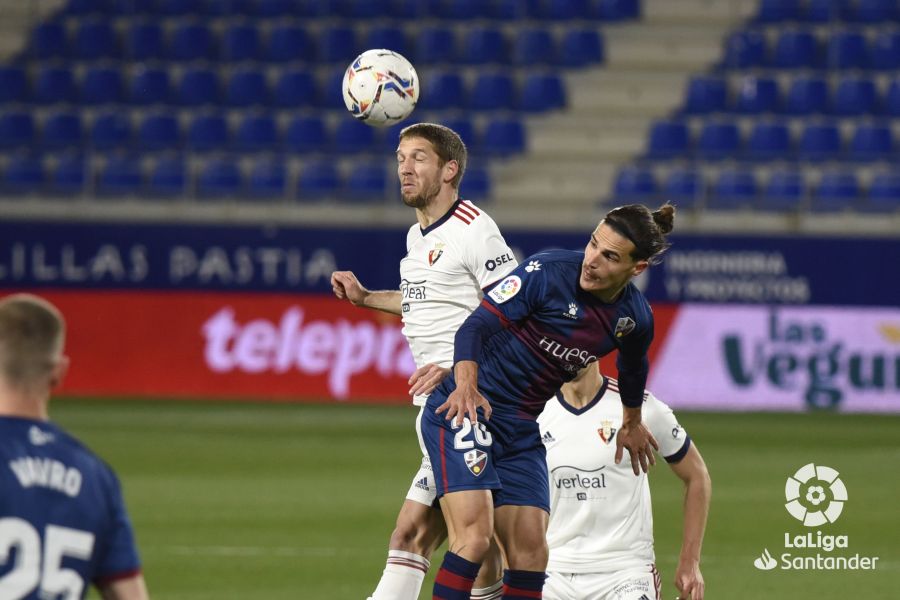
{"points": [[446, 268], [600, 515]]}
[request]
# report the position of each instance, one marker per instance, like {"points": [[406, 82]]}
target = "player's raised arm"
{"points": [[347, 287]]}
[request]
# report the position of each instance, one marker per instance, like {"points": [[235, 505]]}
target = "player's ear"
{"points": [[639, 267], [451, 168], [59, 372]]}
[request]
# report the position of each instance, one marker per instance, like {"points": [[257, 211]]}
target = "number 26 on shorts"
{"points": [[482, 436]]}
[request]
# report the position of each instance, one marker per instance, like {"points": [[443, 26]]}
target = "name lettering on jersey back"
{"points": [[47, 473], [580, 358]]}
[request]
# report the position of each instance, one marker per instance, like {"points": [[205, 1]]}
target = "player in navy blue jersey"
{"points": [[556, 313], [63, 524]]}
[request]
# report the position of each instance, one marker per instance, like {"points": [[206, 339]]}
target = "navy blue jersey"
{"points": [[538, 328], [63, 523]]}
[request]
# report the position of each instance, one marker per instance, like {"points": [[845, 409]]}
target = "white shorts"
{"points": [[629, 584], [422, 488]]}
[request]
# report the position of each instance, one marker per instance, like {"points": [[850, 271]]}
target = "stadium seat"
{"points": [[110, 131], [684, 187], [168, 177], [294, 89], [337, 44], [784, 192], [267, 179], [353, 137], [635, 183], [668, 139], [366, 181], [410, 9], [256, 133], [16, 130], [484, 45], [705, 94], [504, 137], [871, 143], [13, 85], [158, 131], [208, 133], [541, 92], [54, 85], [613, 10], [891, 101], [533, 46], [777, 11], [62, 130], [580, 47], [198, 87], [435, 44], [806, 96], [219, 177], [84, 8], [836, 191], [358, 9], [885, 51], [95, 40], [179, 8], [734, 188], [463, 127], [769, 141], [492, 91], [247, 87], [819, 142], [884, 193], [240, 42], [288, 43], [121, 175], [24, 174], [822, 11], [443, 90], [149, 86], [191, 41], [318, 179], [506, 10], [745, 49], [144, 41], [49, 40], [847, 50], [476, 183], [757, 95], [855, 96], [330, 94], [871, 11], [796, 50], [390, 37], [68, 175], [718, 140], [101, 85], [560, 10], [458, 10]]}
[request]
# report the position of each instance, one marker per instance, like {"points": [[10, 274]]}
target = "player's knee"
{"points": [[491, 569], [529, 555], [419, 536], [473, 544]]}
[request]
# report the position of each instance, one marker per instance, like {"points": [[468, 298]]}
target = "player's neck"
{"points": [[436, 208], [580, 392], [22, 403]]}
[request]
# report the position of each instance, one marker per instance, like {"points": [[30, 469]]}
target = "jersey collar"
{"points": [[586, 407], [442, 220]]}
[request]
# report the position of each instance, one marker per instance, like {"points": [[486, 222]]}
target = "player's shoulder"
{"points": [[556, 257], [472, 220]]}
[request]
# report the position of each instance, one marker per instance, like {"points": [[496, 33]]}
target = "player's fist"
{"points": [[346, 286]]}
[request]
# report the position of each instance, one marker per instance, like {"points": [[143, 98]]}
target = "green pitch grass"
{"points": [[297, 501]]}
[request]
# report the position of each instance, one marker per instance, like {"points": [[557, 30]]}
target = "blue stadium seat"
{"points": [[158, 131], [54, 85], [684, 187], [110, 131], [144, 41], [504, 137], [848, 50], [305, 134], [435, 44], [613, 10], [353, 137], [492, 91], [757, 95], [734, 188], [179, 8], [270, 9], [247, 87], [337, 44], [49, 40], [121, 175], [484, 45], [744, 49], [806, 96], [150, 86], [83, 8], [635, 183], [389, 37], [443, 90], [819, 142], [668, 139], [16, 130], [294, 89], [885, 51], [256, 133], [318, 179], [884, 193], [581, 47], [358, 9], [891, 101], [13, 85], [94, 40], [219, 177], [705, 94], [872, 11], [366, 181], [823, 11], [62, 129], [101, 85], [267, 179], [289, 43], [778, 11], [855, 96], [836, 191], [506, 10], [168, 177], [561, 10], [208, 133], [796, 50], [390, 137], [24, 174], [198, 87], [463, 127], [533, 46], [476, 183], [769, 141], [542, 92], [718, 140], [458, 10], [68, 175], [411, 9], [784, 191], [240, 42], [191, 41], [871, 142], [330, 94]]}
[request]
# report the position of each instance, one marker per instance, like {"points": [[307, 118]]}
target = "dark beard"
{"points": [[422, 200]]}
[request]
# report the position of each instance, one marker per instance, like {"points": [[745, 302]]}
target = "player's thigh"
{"points": [[470, 520], [521, 532], [522, 469]]}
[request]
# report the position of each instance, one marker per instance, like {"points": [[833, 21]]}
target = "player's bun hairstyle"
{"points": [[647, 230], [447, 143], [32, 332]]}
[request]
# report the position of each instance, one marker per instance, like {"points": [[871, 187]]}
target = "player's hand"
{"points": [[635, 436], [346, 286], [464, 401], [689, 581], [426, 378]]}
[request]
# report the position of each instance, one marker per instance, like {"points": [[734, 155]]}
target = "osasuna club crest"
{"points": [[607, 431], [476, 461], [624, 326], [435, 253]]}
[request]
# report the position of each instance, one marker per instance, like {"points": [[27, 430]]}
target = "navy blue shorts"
{"points": [[504, 455]]}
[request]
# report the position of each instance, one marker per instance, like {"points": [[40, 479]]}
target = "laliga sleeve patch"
{"points": [[506, 289]]}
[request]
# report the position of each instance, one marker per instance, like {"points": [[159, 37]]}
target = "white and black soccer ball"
{"points": [[380, 87]]}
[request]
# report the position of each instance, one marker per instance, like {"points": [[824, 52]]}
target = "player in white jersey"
{"points": [[601, 523], [454, 252]]}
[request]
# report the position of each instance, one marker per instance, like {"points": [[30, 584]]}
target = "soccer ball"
{"points": [[380, 88]]}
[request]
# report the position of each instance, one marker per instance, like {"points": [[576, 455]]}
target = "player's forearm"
{"points": [[385, 300], [466, 374], [697, 493], [631, 415]]}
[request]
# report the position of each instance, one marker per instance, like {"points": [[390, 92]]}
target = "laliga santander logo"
{"points": [[815, 495]]}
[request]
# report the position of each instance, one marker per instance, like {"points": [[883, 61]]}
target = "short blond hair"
{"points": [[32, 334]]}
